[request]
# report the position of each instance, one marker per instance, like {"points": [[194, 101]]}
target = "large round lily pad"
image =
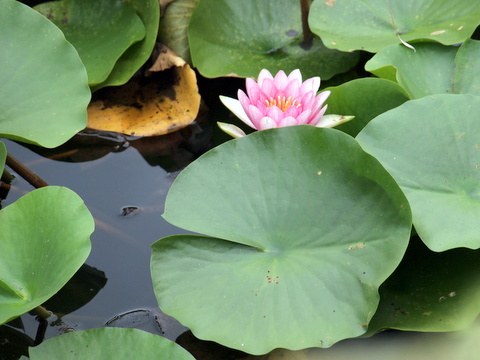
{"points": [[45, 238], [304, 228], [108, 344], [432, 148], [374, 24], [44, 93], [243, 37]]}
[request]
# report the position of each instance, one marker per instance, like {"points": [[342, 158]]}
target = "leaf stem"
{"points": [[41, 312], [307, 33], [25, 172]]}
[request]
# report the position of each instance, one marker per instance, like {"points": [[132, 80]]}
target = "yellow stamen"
{"points": [[282, 103]]}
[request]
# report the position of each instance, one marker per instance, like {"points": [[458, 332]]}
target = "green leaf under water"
{"points": [[305, 227]]}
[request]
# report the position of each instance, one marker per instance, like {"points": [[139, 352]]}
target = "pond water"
{"points": [[120, 244], [124, 182]]}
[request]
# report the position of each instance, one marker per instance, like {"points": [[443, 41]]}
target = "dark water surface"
{"points": [[123, 182], [120, 244]]}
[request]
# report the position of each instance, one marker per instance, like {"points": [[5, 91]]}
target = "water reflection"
{"points": [[109, 171]]}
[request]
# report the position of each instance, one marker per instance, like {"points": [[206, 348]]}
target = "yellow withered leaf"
{"points": [[162, 103]]}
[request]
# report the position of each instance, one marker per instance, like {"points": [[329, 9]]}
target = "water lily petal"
{"points": [[312, 84], [322, 97], [244, 99], [264, 74], [295, 75], [269, 89], [318, 103], [253, 90], [236, 107], [255, 116], [275, 113], [332, 120], [304, 118], [308, 100], [293, 111], [267, 123], [292, 90], [280, 80], [262, 106], [288, 121], [316, 118], [232, 130]]}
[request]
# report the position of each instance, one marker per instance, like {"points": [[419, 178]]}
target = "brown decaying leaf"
{"points": [[162, 103], [166, 59]]}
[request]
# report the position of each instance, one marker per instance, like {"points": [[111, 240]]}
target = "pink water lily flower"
{"points": [[280, 101]]}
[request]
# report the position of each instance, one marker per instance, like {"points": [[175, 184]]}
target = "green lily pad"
{"points": [[466, 78], [243, 37], [305, 227], [365, 99], [430, 291], [431, 147], [44, 88], [426, 71], [101, 31], [137, 54], [374, 24], [45, 238], [431, 69], [108, 344]]}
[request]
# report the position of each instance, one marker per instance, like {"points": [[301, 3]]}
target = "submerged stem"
{"points": [[307, 33]]}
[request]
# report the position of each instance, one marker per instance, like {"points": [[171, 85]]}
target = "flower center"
{"points": [[283, 103]]}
